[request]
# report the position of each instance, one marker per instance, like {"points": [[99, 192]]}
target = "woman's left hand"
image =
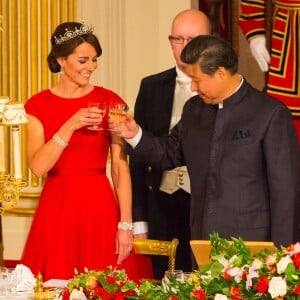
{"points": [[124, 243]]}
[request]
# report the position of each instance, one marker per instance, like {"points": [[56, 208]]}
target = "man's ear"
{"points": [[222, 73]]}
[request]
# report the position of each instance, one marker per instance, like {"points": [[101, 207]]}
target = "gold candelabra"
{"points": [[12, 114], [10, 188]]}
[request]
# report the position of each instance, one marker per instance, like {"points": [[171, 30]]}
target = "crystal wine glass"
{"points": [[10, 279], [101, 105], [117, 113], [171, 276]]}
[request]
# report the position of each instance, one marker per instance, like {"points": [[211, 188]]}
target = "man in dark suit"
{"points": [[161, 200], [240, 147]]}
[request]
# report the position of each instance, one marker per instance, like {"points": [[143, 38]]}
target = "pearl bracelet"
{"points": [[59, 141], [125, 226]]}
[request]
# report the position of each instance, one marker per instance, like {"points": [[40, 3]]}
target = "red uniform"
{"points": [[284, 72]]}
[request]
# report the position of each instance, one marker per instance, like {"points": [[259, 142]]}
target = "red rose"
{"points": [[66, 295], [110, 279], [199, 294], [99, 291], [234, 291], [296, 260], [238, 298], [297, 289], [263, 285], [102, 294], [120, 296], [244, 275], [227, 276]]}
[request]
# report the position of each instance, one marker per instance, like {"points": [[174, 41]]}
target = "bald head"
{"points": [[191, 21], [186, 25]]}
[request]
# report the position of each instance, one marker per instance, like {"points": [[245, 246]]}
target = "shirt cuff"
{"points": [[140, 227], [136, 139]]}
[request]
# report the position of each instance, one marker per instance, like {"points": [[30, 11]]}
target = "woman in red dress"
{"points": [[82, 220]]}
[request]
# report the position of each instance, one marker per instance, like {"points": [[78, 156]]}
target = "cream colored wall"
{"points": [[134, 37]]}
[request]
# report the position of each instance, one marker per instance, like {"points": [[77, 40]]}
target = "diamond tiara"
{"points": [[70, 34]]}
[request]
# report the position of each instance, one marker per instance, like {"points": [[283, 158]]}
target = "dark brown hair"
{"points": [[66, 47]]}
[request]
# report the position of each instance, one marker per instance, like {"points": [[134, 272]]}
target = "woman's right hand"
{"points": [[85, 117], [126, 128]]}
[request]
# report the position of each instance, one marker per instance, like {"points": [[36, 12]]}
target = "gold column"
{"points": [[34, 58], [14, 57], [72, 11], [64, 10], [44, 43], [54, 14], [24, 49], [33, 47], [5, 49], [55, 10], [1, 43], [23, 74]]}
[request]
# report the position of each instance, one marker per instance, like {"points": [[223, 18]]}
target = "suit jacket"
{"points": [[153, 109], [244, 166]]}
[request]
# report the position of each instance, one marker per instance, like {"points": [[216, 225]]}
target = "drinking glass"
{"points": [[10, 280], [117, 113], [176, 274], [171, 276], [101, 105], [2, 281]]}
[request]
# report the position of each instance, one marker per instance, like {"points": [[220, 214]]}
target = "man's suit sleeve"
{"points": [[138, 168], [283, 167]]}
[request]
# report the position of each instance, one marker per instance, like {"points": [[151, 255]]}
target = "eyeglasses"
{"points": [[179, 39]]}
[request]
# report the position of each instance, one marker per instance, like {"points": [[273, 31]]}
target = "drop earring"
{"points": [[62, 71]]}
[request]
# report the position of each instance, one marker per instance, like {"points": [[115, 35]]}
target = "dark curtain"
{"points": [[220, 14]]}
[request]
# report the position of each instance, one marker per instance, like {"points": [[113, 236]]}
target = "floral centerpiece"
{"points": [[100, 285], [236, 274], [233, 274]]}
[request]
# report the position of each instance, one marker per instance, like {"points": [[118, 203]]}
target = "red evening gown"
{"points": [[75, 223]]}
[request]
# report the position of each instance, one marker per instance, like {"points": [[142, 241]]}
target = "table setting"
{"points": [[20, 283], [233, 273]]}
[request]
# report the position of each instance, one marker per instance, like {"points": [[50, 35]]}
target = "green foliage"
{"points": [[233, 274]]}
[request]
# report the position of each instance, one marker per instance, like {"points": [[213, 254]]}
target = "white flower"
{"points": [[277, 287], [227, 263], [256, 264], [206, 278], [220, 297], [77, 295], [282, 264], [252, 274], [237, 273], [297, 247], [271, 259]]}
